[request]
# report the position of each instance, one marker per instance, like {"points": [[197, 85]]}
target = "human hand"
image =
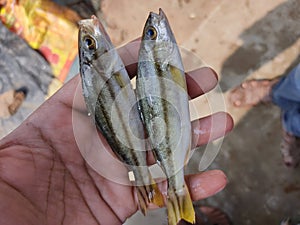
{"points": [[45, 180]]}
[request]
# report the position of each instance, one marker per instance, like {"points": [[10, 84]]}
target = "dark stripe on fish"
{"points": [[102, 102]]}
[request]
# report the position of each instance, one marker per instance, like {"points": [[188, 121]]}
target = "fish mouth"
{"points": [[162, 13], [158, 16], [93, 21], [85, 23], [86, 26], [160, 20], [92, 25]]}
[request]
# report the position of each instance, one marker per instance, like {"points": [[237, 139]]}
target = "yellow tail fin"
{"points": [[149, 194], [179, 207], [156, 197]]}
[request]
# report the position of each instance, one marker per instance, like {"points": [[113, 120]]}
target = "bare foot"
{"points": [[252, 92]]}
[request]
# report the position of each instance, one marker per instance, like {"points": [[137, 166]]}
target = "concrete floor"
{"points": [[240, 40]]}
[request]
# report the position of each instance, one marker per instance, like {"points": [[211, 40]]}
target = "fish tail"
{"points": [[180, 206], [149, 194], [156, 196]]}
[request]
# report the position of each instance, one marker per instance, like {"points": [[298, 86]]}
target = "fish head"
{"points": [[93, 40], [93, 45], [157, 28], [158, 41]]}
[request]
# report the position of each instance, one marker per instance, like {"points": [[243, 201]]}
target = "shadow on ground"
{"points": [[260, 190], [262, 42]]}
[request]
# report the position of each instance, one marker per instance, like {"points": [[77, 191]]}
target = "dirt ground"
{"points": [[240, 40]]}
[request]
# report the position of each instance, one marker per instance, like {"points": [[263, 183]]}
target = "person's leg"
{"points": [[286, 92], [291, 121]]}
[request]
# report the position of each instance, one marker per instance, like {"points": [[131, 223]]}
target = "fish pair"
{"points": [[159, 108]]}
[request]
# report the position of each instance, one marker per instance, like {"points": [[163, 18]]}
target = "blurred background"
{"points": [[239, 39]]}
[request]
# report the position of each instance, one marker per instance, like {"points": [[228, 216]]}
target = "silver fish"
{"points": [[111, 103], [163, 103]]}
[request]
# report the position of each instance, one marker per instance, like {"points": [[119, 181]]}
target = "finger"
{"points": [[206, 184], [201, 186], [200, 81], [205, 129], [211, 127]]}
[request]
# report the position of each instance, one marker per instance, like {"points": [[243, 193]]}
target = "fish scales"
{"points": [[111, 103]]}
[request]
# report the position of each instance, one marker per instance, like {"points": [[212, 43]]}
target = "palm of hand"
{"points": [[45, 180], [48, 180]]}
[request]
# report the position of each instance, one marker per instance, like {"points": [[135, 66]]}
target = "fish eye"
{"points": [[90, 42], [151, 33]]}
